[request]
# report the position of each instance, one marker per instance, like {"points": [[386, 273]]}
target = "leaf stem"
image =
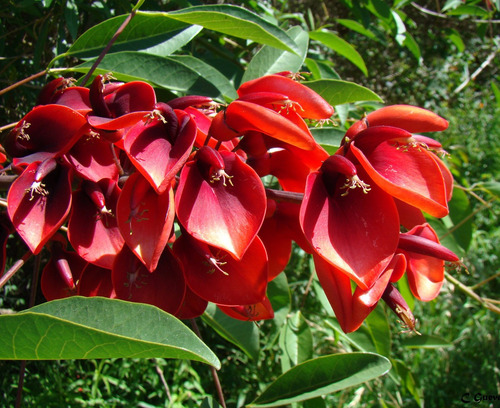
{"points": [[23, 81], [212, 369], [14, 268]]}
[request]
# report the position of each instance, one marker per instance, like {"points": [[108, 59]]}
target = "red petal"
{"points": [[225, 216], [96, 281], [230, 282], [37, 217], [145, 219], [357, 232], [411, 118], [260, 311], [164, 287], [411, 175], [95, 235], [145, 143]]}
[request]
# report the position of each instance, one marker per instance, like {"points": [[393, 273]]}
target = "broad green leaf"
{"points": [[358, 27], [172, 73], [209, 73], [496, 92], [338, 92], [296, 341], [404, 289], [278, 293], [328, 137], [451, 4], [340, 46], [462, 217], [175, 41], [425, 341], [145, 30], [410, 43], [244, 335], [237, 22], [455, 37], [380, 331], [380, 8], [469, 10], [88, 328], [322, 375], [270, 60], [321, 69], [492, 187], [408, 381]]}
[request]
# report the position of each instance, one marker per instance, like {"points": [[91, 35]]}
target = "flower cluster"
{"points": [[164, 203]]}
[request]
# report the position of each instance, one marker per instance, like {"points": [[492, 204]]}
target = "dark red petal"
{"points": [[164, 287], [145, 219], [217, 277], [225, 216], [132, 97], [96, 281], [311, 105], [409, 174], [37, 217], [192, 305], [157, 156], [53, 285], [253, 313], [47, 128], [357, 232], [92, 231], [246, 116], [92, 158]]}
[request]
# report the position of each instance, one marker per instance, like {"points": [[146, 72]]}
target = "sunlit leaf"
{"points": [[340, 46], [322, 375], [338, 92], [425, 341], [87, 328]]}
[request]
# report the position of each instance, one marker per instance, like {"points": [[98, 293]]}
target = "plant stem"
{"points": [[14, 268], [286, 196], [109, 45], [212, 369], [23, 81]]}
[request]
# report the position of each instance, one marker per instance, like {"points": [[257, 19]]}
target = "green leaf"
{"points": [[145, 30], [328, 137], [469, 10], [340, 46], [451, 4], [425, 341], [237, 22], [88, 328], [358, 27], [270, 60], [322, 375], [496, 92], [380, 331], [175, 41], [296, 341], [408, 381], [410, 43], [278, 293], [338, 92], [454, 36], [491, 187], [182, 74], [461, 215], [244, 335]]}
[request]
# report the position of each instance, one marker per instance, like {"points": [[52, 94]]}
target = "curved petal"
{"points": [[226, 213], [38, 209], [96, 281], [217, 277], [145, 219], [356, 232], [164, 287], [253, 313], [411, 175]]}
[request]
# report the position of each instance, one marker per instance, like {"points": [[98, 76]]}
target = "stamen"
{"points": [[221, 174], [217, 264], [155, 114], [322, 122], [21, 135], [407, 319], [37, 187], [289, 104], [354, 182]]}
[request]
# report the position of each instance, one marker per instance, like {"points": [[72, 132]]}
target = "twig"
{"points": [[14, 268], [212, 369], [477, 285], [22, 368], [474, 75], [286, 196], [23, 81], [162, 378], [108, 46]]}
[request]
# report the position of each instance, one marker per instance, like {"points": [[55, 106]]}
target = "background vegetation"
{"points": [[441, 56]]}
